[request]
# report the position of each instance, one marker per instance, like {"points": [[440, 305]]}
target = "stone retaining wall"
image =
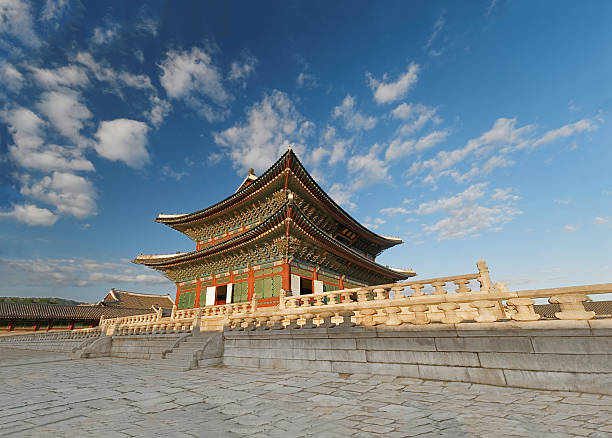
{"points": [[554, 355], [142, 347]]}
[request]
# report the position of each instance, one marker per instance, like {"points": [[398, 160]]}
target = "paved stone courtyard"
{"points": [[47, 394]]}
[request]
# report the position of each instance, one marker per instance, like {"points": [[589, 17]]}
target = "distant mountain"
{"points": [[62, 301]]}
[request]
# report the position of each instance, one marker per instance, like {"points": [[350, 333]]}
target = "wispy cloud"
{"points": [[387, 91], [466, 214], [437, 28], [79, 272], [353, 119]]}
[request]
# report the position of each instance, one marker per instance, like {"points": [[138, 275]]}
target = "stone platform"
{"points": [[46, 394]]}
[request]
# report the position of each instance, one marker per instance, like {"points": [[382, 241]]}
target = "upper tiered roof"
{"points": [[289, 173]]}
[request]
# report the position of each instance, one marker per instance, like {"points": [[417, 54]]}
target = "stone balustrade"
{"points": [[445, 300], [52, 336]]}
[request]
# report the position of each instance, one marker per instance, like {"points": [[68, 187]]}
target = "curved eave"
{"points": [[343, 250], [287, 161], [273, 222], [251, 234], [241, 193]]}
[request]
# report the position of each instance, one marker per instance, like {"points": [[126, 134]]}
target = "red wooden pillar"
{"points": [[198, 290], [286, 277], [50, 325], [251, 283], [36, 324], [178, 288], [11, 326], [341, 282], [71, 327]]}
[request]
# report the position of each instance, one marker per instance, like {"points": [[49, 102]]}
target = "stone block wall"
{"points": [[141, 346], [555, 355]]}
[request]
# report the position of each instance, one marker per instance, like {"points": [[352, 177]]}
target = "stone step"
{"points": [[180, 355], [171, 367]]}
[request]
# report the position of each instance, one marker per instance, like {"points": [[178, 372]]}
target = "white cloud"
{"points": [[68, 76], [464, 215], [503, 133], [367, 169], [437, 28], [65, 112], [148, 25], [192, 76], [271, 125], [105, 35], [601, 220], [29, 150], [571, 228], [306, 80], [78, 272], [171, 173], [386, 91], [400, 148], [31, 215], [491, 7], [392, 211], [566, 131], [103, 72], [336, 150], [415, 116], [70, 194], [342, 195], [11, 77], [160, 108], [53, 9], [504, 195], [353, 119], [16, 22], [241, 70], [123, 140], [139, 55]]}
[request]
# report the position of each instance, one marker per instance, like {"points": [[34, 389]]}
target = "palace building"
{"points": [[278, 230]]}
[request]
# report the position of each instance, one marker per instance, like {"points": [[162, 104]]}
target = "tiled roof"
{"points": [[54, 311], [135, 300], [601, 308]]}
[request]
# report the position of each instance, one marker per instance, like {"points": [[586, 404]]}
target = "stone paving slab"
{"points": [[48, 395]]}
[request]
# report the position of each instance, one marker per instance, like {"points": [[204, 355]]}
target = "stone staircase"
{"points": [[198, 350]]}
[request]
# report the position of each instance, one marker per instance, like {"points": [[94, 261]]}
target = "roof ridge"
{"points": [[141, 293]]}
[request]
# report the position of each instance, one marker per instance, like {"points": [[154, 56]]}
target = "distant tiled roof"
{"points": [[133, 300], [601, 308], [54, 311]]}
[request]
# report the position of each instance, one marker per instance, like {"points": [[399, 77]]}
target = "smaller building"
{"points": [[27, 317]]}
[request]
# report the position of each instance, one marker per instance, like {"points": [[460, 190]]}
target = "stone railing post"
{"points": [[484, 279], [420, 314], [326, 317], [450, 313], [572, 306], [487, 311], [197, 321], [346, 318], [417, 290], [524, 309], [173, 314], [281, 299]]}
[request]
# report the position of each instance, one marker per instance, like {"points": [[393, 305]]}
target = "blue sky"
{"points": [[470, 130]]}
